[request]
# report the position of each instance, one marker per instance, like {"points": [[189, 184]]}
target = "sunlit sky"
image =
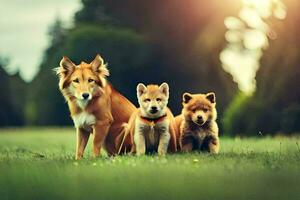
{"points": [[24, 26]]}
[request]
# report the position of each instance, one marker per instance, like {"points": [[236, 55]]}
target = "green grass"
{"points": [[39, 164]]}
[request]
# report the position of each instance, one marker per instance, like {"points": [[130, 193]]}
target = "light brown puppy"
{"points": [[94, 105], [151, 126], [196, 127]]}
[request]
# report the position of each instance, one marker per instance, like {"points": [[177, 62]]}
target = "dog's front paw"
{"points": [[214, 145], [162, 152]]}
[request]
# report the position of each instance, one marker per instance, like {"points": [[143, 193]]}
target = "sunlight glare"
{"points": [[247, 37]]}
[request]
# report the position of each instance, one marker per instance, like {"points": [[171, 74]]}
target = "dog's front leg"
{"points": [[82, 139], [214, 144], [100, 132], [214, 141], [140, 143], [164, 140], [187, 142]]}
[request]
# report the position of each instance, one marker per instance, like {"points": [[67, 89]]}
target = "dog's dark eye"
{"points": [[205, 110], [76, 80], [194, 110], [147, 100], [158, 99], [90, 80]]}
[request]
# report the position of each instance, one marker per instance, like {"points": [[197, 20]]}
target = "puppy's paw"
{"points": [[214, 146], [162, 152]]}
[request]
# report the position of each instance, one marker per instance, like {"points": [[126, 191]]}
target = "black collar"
{"points": [[153, 120]]}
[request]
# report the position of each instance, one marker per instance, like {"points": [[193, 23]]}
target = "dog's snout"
{"points": [[85, 95], [200, 118], [153, 108]]}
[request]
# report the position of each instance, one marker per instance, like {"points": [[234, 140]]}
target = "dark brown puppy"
{"points": [[196, 127]]}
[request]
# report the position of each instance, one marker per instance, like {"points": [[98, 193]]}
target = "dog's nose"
{"points": [[85, 95], [200, 118], [153, 108]]}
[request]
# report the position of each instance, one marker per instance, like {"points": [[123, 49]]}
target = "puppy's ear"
{"points": [[211, 97], [141, 89], [164, 88], [186, 97], [66, 67], [99, 66]]}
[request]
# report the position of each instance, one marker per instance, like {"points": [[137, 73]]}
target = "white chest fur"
{"points": [[83, 119]]}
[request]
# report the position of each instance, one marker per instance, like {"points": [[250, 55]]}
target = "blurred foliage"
{"points": [[12, 97], [234, 113], [275, 106]]}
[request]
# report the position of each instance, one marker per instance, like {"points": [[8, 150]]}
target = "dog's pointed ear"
{"points": [[99, 66], [211, 97], [65, 69], [66, 66], [141, 89], [186, 97], [164, 88]]}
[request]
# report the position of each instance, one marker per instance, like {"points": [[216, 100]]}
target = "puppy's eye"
{"points": [[76, 80], [205, 110], [194, 110], [147, 100], [91, 80], [158, 99]]}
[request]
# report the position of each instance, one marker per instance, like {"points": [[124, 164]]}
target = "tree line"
{"points": [[173, 41]]}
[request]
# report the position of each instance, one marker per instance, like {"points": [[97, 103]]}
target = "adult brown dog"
{"points": [[94, 105]]}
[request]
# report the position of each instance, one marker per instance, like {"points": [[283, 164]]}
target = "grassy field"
{"points": [[39, 164]]}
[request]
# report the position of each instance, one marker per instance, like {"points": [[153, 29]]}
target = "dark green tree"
{"points": [[45, 106], [11, 98]]}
